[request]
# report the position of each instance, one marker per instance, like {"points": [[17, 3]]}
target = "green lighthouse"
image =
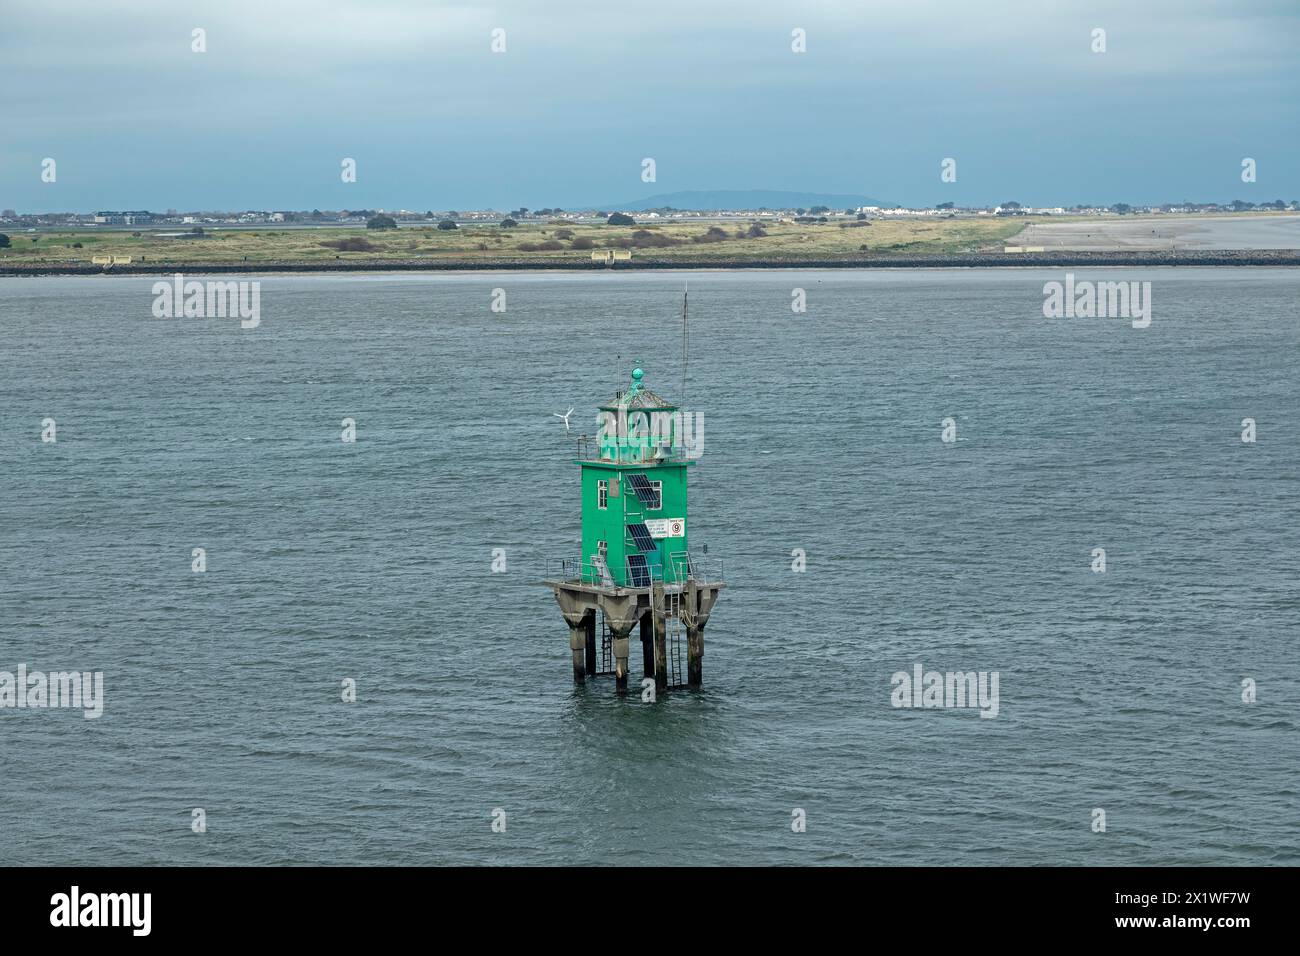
{"points": [[634, 492], [635, 565]]}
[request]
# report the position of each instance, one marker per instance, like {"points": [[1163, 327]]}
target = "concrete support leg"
{"points": [[621, 644], [694, 656], [661, 653], [647, 646], [589, 630], [580, 614], [621, 614], [699, 603], [578, 645]]}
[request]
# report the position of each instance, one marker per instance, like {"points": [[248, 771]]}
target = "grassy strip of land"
{"points": [[550, 244], [733, 243]]}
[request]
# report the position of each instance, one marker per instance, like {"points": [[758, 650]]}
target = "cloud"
{"points": [[587, 88]]}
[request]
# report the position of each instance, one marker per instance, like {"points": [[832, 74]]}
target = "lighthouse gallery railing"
{"points": [[681, 569]]}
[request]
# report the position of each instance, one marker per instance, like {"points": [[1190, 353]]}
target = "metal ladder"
{"points": [[673, 633], [606, 647]]}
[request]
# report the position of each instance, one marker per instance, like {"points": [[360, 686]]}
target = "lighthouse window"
{"points": [[658, 501], [602, 494]]}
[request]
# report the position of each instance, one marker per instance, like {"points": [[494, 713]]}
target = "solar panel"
{"points": [[638, 572], [645, 541], [644, 491]]}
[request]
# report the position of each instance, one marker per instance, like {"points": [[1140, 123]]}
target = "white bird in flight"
{"points": [[564, 417]]}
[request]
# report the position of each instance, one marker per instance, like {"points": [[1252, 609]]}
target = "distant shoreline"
{"points": [[1273, 257]]}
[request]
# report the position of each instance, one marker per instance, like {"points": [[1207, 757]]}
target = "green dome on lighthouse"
{"points": [[638, 396]]}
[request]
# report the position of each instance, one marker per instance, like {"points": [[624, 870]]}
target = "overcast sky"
{"points": [[585, 90]]}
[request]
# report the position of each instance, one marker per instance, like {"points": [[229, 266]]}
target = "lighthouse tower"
{"points": [[636, 568]]}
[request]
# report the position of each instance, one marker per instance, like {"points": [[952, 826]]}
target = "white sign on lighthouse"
{"points": [[666, 527]]}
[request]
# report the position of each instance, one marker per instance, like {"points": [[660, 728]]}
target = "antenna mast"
{"points": [[685, 343]]}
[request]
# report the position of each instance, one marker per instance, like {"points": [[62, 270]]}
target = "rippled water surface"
{"points": [[372, 561]]}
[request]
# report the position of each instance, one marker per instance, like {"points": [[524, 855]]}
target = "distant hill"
{"points": [[741, 199]]}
